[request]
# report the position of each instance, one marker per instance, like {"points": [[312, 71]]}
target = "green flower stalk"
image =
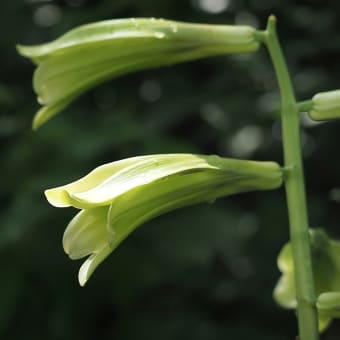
{"points": [[326, 270], [118, 197], [325, 105], [94, 53]]}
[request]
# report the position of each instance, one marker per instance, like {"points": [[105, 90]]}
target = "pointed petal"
{"points": [[86, 233], [47, 112], [101, 187], [90, 265], [59, 196], [109, 31]]}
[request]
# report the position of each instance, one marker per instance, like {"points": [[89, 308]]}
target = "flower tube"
{"points": [[118, 197], [94, 53]]}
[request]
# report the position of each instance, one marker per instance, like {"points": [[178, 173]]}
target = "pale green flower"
{"points": [[93, 53], [118, 197], [326, 270]]}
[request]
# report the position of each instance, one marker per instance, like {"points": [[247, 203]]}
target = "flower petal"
{"points": [[108, 182], [93, 53], [193, 186], [59, 196], [120, 196], [91, 263], [86, 233]]}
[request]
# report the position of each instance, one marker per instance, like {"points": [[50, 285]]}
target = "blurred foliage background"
{"points": [[205, 272]]}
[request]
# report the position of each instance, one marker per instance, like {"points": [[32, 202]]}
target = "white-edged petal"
{"points": [[91, 263], [86, 233]]}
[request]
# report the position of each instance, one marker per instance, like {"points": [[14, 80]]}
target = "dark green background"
{"points": [[205, 272]]}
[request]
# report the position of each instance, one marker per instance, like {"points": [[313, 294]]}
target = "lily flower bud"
{"points": [[326, 105], [328, 305], [91, 54], [326, 270], [118, 197]]}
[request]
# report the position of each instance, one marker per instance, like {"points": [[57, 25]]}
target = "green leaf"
{"points": [[94, 53]]}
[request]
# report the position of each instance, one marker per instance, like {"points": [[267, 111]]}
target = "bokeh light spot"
{"points": [[213, 6], [246, 141], [47, 15], [150, 90]]}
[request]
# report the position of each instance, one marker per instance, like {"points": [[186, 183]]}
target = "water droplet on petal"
{"points": [[134, 22], [174, 28], [159, 35], [211, 201]]}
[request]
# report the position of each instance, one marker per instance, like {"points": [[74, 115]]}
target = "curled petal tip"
{"points": [[84, 274], [23, 50], [47, 112], [89, 266], [58, 197]]}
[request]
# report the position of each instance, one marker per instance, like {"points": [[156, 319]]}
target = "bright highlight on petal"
{"points": [[109, 181], [94, 53], [118, 197]]}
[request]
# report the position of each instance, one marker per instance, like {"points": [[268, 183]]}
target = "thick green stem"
{"points": [[295, 191]]}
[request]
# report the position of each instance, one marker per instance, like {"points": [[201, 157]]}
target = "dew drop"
{"points": [[159, 35], [174, 28], [134, 22]]}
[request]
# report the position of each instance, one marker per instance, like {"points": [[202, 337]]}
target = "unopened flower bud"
{"points": [[326, 271], [326, 105]]}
